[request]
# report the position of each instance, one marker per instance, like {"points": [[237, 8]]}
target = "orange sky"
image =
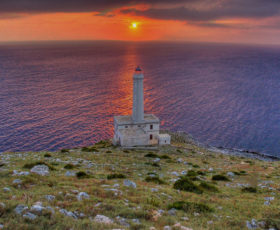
{"points": [[87, 26]]}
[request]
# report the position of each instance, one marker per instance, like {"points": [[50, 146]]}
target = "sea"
{"points": [[56, 95]]}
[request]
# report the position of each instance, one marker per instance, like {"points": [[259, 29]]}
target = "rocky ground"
{"points": [[183, 186]]}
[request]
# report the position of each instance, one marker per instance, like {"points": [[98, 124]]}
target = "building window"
{"points": [[151, 137], [139, 126], [126, 126], [164, 141], [151, 126]]}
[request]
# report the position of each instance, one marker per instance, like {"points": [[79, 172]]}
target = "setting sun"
{"points": [[134, 25]]}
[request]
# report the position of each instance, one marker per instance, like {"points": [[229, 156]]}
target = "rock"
{"points": [[37, 208], [172, 211], [122, 221], [49, 197], [252, 225], [179, 160], [136, 221], [129, 183], [184, 172], [102, 219], [152, 228], [156, 160], [269, 198], [1, 226], [184, 218], [175, 173], [210, 169], [82, 195], [185, 228], [20, 209], [230, 174], [69, 173], [29, 216], [17, 181], [6, 189], [154, 189], [42, 170], [167, 227], [2, 205], [116, 185], [210, 222], [68, 213], [19, 173]]}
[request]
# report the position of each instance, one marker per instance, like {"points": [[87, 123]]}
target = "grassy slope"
{"points": [[232, 207]]}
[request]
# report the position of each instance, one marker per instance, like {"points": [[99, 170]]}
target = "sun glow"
{"points": [[134, 25]]}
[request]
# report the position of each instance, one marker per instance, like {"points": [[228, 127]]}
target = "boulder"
{"points": [[82, 195], [68, 213], [69, 173], [102, 219], [29, 216], [49, 197], [42, 170], [129, 183], [20, 209]]}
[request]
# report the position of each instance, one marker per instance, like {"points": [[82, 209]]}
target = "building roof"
{"points": [[127, 120]]}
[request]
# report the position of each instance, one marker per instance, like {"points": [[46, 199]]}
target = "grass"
{"points": [[100, 176], [191, 207]]}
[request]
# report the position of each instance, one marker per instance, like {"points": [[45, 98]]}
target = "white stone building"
{"points": [[140, 129]]}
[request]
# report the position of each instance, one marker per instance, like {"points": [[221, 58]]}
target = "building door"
{"points": [[151, 137]]}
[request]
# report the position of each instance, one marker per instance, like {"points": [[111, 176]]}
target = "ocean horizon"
{"points": [[58, 95]]}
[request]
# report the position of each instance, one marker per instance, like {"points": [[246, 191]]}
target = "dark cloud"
{"points": [[224, 10]]}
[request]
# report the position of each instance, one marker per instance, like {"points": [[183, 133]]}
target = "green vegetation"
{"points": [[220, 177], [130, 184], [185, 184], [64, 150], [116, 176]]}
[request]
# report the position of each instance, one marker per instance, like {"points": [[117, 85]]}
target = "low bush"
{"points": [[165, 157], [179, 151], [82, 175], [185, 184], [64, 150], [89, 149], [69, 166], [152, 155], [1, 164], [108, 151], [47, 155], [249, 189], [208, 187], [116, 176], [220, 178], [126, 151], [191, 207], [154, 179]]}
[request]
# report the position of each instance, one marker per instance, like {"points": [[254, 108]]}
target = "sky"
{"points": [[232, 21]]}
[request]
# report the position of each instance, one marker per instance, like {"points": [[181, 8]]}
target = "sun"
{"points": [[134, 25]]}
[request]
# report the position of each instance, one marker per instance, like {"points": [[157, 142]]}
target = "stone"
{"points": [[175, 174], [166, 227], [6, 189], [20, 209], [49, 197], [156, 160], [68, 213], [102, 219], [2, 205], [252, 225], [184, 218], [37, 208], [82, 195], [122, 221], [172, 211], [42, 170], [185, 228], [129, 183], [269, 198], [19, 173], [230, 174], [29, 216], [69, 173], [1, 226], [136, 221], [17, 181], [152, 228]]}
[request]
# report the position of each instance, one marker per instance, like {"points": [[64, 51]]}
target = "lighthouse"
{"points": [[138, 129], [138, 96]]}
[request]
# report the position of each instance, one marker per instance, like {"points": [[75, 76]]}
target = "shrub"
{"points": [[179, 151], [164, 157], [196, 166], [81, 175], [209, 187], [272, 219], [64, 150], [69, 166], [31, 165], [108, 151], [89, 149], [47, 155], [126, 151], [249, 189], [116, 176], [220, 177], [187, 185], [152, 155], [155, 165], [191, 207], [154, 179], [1, 164]]}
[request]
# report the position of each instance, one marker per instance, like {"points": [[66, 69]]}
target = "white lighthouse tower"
{"points": [[138, 129], [138, 96]]}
